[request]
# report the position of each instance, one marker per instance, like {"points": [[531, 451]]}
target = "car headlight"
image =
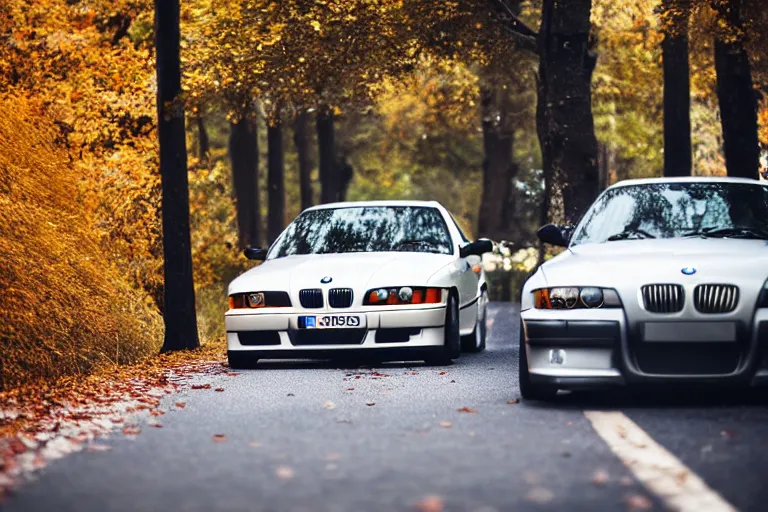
{"points": [[255, 300], [572, 297], [762, 301], [403, 295]]}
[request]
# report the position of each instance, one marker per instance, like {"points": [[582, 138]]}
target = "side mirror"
{"points": [[255, 253], [478, 248], [553, 235]]}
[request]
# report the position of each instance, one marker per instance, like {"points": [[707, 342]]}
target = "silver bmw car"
{"points": [[663, 281]]}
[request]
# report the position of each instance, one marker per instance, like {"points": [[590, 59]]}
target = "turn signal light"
{"points": [[403, 295]]}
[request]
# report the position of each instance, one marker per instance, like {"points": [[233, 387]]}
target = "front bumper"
{"points": [[598, 348], [278, 334]]}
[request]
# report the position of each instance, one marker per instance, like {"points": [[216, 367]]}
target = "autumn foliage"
{"points": [[65, 307]]}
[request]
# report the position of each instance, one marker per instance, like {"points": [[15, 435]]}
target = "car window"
{"points": [[461, 233], [671, 210], [365, 229]]}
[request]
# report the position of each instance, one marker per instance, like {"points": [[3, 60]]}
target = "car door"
{"points": [[468, 279]]}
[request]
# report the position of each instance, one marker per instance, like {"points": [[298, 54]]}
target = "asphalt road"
{"points": [[309, 437]]}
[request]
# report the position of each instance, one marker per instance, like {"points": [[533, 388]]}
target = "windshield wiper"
{"points": [[730, 232], [631, 233]]}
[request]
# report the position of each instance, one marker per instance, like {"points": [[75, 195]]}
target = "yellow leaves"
{"points": [[315, 24]]}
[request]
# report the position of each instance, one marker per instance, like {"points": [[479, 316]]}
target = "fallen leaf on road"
{"points": [[343, 421], [131, 431], [540, 495], [156, 425], [201, 386], [638, 502], [446, 424], [349, 389], [442, 373], [99, 448], [181, 405], [156, 413], [219, 437], [290, 394], [430, 503], [254, 444], [284, 472], [370, 404], [513, 402], [329, 405], [412, 373], [467, 409], [453, 382], [232, 374], [333, 456], [219, 389], [600, 478]]}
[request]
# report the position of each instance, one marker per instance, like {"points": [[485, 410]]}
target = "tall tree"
{"points": [[179, 302], [203, 142], [326, 144], [301, 141], [564, 113], [735, 92], [244, 155], [275, 180], [677, 88], [499, 169]]}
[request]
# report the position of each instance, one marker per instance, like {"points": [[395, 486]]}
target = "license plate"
{"points": [[330, 322], [661, 332]]}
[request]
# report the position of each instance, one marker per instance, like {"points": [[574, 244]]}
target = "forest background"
{"points": [[292, 103]]}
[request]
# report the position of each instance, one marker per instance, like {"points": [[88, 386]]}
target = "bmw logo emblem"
{"points": [[689, 271], [326, 279]]}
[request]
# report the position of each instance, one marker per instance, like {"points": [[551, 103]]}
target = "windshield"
{"points": [[671, 210], [365, 229]]}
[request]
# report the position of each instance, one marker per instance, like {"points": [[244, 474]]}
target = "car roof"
{"points": [[396, 202], [687, 179]]}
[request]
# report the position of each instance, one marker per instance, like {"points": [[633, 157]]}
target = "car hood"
{"points": [[658, 261], [359, 271]]}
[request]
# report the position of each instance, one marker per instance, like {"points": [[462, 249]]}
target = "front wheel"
{"points": [[528, 389], [451, 348], [475, 342], [241, 359]]}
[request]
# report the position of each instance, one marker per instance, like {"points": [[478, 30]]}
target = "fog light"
{"points": [[405, 294], [557, 356], [382, 294]]}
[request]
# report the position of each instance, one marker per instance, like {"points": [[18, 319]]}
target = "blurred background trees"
{"points": [[510, 112]]}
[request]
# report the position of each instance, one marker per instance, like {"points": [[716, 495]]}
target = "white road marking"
{"points": [[661, 472]]}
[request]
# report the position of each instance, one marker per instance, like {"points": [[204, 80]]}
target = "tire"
{"points": [[528, 389], [475, 342], [241, 360], [451, 348]]}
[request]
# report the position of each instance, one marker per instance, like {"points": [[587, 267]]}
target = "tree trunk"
{"points": [[736, 95], [677, 89], [564, 113], [301, 141], [275, 181], [329, 180], [179, 301], [499, 169], [203, 143], [244, 155], [346, 172]]}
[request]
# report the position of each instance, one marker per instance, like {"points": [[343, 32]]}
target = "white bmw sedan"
{"points": [[663, 281], [393, 279]]}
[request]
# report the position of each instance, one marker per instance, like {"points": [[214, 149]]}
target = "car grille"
{"points": [[715, 298], [340, 297], [327, 336], [311, 299], [663, 298]]}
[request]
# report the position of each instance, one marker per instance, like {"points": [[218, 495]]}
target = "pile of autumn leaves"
{"points": [[64, 307]]}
